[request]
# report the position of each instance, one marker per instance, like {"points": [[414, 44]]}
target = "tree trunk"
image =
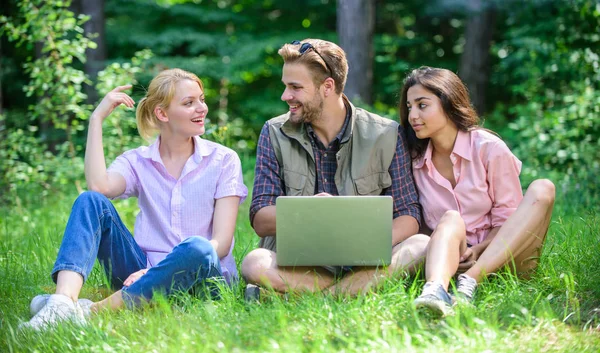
{"points": [[95, 57], [355, 26], [1, 97], [474, 62]]}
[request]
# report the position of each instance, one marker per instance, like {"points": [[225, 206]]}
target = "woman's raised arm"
{"points": [[113, 184]]}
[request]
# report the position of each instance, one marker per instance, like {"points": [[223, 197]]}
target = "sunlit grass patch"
{"points": [[556, 310]]}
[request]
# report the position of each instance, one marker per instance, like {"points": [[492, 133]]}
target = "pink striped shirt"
{"points": [[172, 210], [487, 188]]}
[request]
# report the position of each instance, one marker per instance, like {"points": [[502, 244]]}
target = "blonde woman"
{"points": [[188, 192]]}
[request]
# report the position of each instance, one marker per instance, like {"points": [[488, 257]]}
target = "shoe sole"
{"points": [[39, 302], [433, 306], [252, 293]]}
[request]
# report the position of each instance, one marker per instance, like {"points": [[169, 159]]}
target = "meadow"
{"points": [[538, 73], [557, 310]]}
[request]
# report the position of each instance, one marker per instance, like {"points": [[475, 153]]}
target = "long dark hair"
{"points": [[453, 94]]}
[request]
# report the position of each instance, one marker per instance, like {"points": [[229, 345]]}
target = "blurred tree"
{"points": [[475, 59], [56, 34], [231, 45], [409, 34], [542, 54], [94, 28], [549, 66], [1, 99], [355, 26]]}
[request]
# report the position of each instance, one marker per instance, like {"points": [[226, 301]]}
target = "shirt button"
{"points": [[325, 180], [325, 155]]}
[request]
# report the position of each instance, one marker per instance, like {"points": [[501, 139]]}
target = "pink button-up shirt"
{"points": [[487, 188], [172, 210]]}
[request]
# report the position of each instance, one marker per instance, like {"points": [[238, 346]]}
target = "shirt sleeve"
{"points": [[122, 165], [403, 190], [268, 184], [231, 181], [503, 170]]}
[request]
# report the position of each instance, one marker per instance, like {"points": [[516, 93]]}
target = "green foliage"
{"points": [[29, 171], [544, 85], [57, 87], [28, 167], [119, 128], [554, 92], [232, 47], [54, 80], [23, 160], [234, 134], [409, 34], [562, 141]]}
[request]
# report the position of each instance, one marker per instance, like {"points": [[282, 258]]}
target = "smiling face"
{"points": [[426, 115], [187, 110], [303, 97]]}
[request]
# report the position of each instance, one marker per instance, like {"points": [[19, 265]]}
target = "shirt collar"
{"points": [[419, 163], [346, 132], [153, 152], [300, 131], [462, 146], [341, 136], [201, 149]]}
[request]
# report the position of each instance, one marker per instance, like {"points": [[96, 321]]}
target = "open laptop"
{"points": [[334, 231]]}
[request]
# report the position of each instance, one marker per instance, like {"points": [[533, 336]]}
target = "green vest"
{"points": [[363, 161]]}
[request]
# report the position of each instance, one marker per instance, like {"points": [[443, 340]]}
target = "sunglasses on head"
{"points": [[304, 47]]}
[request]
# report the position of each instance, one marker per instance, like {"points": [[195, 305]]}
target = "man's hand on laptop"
{"points": [[323, 194]]}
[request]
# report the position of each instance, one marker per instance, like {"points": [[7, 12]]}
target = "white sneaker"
{"points": [[435, 299], [465, 289], [39, 301], [58, 308]]}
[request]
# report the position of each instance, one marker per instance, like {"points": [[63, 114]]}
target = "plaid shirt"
{"points": [[325, 159], [268, 184]]}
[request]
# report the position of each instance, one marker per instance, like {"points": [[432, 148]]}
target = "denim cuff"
{"points": [[67, 267], [131, 301]]}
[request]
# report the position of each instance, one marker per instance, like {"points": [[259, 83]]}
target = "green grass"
{"points": [[554, 311]]}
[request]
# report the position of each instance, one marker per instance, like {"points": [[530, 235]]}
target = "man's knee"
{"points": [[255, 264], [416, 244], [409, 252]]}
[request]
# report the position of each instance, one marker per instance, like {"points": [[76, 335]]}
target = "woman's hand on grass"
{"points": [[134, 277]]}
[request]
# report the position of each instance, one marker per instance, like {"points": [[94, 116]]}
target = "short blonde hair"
{"points": [[335, 56], [160, 93]]}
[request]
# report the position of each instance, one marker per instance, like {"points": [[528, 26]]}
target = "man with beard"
{"points": [[309, 151]]}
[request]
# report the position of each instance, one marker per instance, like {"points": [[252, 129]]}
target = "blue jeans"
{"points": [[95, 230]]}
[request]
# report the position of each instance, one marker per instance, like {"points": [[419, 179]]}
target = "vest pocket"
{"points": [[373, 184], [294, 183]]}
